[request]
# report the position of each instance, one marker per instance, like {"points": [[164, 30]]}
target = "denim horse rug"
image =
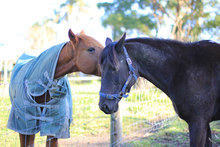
{"points": [[31, 77]]}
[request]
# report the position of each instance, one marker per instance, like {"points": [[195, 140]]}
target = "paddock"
{"points": [[145, 112]]}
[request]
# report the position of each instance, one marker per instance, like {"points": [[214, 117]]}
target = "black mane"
{"points": [[206, 47], [203, 45], [155, 42]]}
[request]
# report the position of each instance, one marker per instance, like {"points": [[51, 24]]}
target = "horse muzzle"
{"points": [[108, 108]]}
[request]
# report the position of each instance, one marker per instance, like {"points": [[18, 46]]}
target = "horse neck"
{"points": [[66, 62], [154, 64]]}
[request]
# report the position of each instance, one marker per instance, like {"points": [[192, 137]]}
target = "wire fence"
{"points": [[145, 111]]}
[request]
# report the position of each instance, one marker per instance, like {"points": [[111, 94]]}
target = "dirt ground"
{"points": [[97, 141], [85, 141], [168, 140]]}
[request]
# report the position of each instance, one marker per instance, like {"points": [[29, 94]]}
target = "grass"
{"points": [[144, 113], [173, 135], [90, 121]]}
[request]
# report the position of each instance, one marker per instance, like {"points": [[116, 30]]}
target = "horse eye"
{"points": [[91, 50]]}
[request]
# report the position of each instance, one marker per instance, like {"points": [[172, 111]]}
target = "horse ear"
{"points": [[108, 41], [72, 36], [82, 32], [119, 44]]}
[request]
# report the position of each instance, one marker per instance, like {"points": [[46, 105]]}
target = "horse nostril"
{"points": [[105, 107]]}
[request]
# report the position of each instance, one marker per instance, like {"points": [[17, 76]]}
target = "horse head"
{"points": [[81, 53], [118, 75], [86, 53]]}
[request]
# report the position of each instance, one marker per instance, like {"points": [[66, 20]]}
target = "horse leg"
{"points": [[26, 140], [198, 133], [208, 143], [51, 141]]}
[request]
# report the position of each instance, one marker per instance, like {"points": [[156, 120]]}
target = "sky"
{"points": [[17, 16]]}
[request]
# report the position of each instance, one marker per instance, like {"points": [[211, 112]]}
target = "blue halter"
{"points": [[122, 93]]}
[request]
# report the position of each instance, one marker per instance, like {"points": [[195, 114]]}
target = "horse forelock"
{"points": [[109, 55]]}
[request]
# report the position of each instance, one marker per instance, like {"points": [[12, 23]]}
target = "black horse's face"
{"points": [[115, 72]]}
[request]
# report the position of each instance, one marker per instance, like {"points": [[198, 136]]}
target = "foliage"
{"points": [[40, 34], [188, 18], [121, 16], [66, 9], [214, 26]]}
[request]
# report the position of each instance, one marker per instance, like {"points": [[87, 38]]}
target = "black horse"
{"points": [[189, 73]]}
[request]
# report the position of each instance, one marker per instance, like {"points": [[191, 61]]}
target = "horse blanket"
{"points": [[31, 77]]}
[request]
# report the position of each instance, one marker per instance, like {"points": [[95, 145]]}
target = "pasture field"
{"points": [[143, 113], [174, 135]]}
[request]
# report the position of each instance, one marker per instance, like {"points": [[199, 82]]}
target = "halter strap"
{"points": [[132, 74]]}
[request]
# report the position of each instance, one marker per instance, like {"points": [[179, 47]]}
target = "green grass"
{"points": [[88, 120], [140, 111], [173, 135]]}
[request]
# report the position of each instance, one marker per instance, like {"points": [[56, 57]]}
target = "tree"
{"points": [[120, 15], [189, 18], [66, 10], [40, 34]]}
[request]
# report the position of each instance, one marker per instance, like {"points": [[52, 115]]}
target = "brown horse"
{"points": [[81, 53]]}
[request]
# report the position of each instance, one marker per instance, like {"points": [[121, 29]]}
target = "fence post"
{"points": [[116, 129]]}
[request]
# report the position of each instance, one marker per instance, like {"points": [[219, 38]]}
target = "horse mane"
{"points": [[156, 42], [209, 47], [201, 48]]}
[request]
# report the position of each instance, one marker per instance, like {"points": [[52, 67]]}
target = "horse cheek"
{"points": [[86, 65]]}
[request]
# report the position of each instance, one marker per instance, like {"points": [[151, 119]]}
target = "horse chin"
{"points": [[116, 110], [108, 110]]}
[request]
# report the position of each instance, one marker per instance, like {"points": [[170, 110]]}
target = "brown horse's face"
{"points": [[86, 53]]}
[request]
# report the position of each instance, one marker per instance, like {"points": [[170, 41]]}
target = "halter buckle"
{"points": [[129, 61], [121, 93]]}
